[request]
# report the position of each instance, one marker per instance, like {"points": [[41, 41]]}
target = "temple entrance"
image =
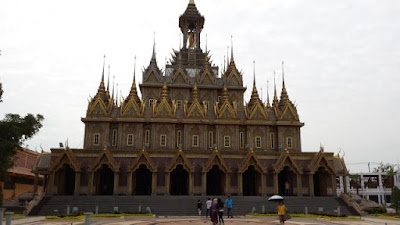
{"points": [[251, 182], [104, 180], [179, 181], [286, 180], [66, 180], [321, 182], [215, 181], [142, 179]]}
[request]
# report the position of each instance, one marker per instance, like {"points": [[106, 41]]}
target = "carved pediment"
{"points": [[207, 77], [180, 76], [285, 159], [251, 159], [216, 159], [132, 108], [97, 107], [226, 111], [164, 108], [319, 160], [289, 113], [143, 158], [232, 76], [67, 157], [257, 112], [105, 157], [179, 159], [196, 110]]}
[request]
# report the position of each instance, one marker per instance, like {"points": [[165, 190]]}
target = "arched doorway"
{"points": [[179, 181], [142, 179], [215, 181], [286, 180], [251, 182], [321, 177], [66, 180], [104, 180]]}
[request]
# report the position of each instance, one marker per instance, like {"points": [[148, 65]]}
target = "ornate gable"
{"points": [[257, 112], [216, 159], [164, 108], [131, 108], [67, 157], [97, 107], [285, 159], [319, 160], [180, 76], [105, 157], [289, 113], [152, 73], [226, 110], [179, 159], [195, 110], [206, 76], [232, 75], [143, 158], [251, 159]]}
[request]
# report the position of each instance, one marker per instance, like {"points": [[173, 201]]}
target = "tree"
{"points": [[1, 91], [14, 130], [395, 199], [390, 173]]}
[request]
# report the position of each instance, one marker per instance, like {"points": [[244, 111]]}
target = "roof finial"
{"points": [[112, 96], [283, 74], [108, 79], [206, 43], [104, 63], [134, 71], [231, 47], [275, 100], [268, 93], [116, 95], [191, 1], [227, 56], [153, 57], [254, 73]]}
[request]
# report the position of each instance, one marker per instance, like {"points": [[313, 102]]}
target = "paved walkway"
{"points": [[203, 221]]}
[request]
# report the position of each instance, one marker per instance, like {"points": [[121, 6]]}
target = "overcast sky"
{"points": [[342, 62]]}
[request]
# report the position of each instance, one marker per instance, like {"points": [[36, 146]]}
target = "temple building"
{"points": [[191, 132]]}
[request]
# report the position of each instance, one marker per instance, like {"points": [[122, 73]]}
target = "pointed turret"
{"points": [[232, 76], [195, 94], [275, 100], [254, 94], [284, 95], [268, 103], [152, 73], [133, 93]]}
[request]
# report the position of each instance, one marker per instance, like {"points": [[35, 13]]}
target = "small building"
{"points": [[20, 179]]}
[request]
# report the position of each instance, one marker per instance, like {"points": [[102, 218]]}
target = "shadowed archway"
{"points": [[66, 180], [179, 181], [142, 179], [321, 179], [286, 179], [215, 181], [104, 180], [251, 182]]}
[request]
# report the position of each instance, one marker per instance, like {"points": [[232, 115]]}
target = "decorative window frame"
{"points": [[195, 140], [272, 138], [179, 104], [147, 137], [163, 143], [114, 138], [178, 138], [257, 141], [96, 139], [241, 139], [129, 140], [210, 139], [289, 142], [227, 138]]}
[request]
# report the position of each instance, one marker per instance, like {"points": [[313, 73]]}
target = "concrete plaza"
{"points": [[203, 221]]}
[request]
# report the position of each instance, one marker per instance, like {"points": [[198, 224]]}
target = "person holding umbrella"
{"points": [[281, 208]]}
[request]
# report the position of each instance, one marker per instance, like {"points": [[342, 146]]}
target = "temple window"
{"points": [[147, 137], [163, 140], [195, 141], [179, 138], [151, 101], [129, 140], [258, 142], [272, 137], [227, 141], [289, 143], [96, 139], [210, 139], [241, 139], [114, 137]]}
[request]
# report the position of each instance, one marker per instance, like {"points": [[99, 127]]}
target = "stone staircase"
{"points": [[180, 205]]}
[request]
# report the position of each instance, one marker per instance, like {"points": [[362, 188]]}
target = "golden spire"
{"points": [[191, 2], [225, 96], [195, 94], [164, 92]]}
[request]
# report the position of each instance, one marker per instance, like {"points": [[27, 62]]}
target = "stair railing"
{"points": [[35, 202], [349, 201]]}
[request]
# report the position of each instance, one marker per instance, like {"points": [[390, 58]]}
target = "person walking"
{"points": [[221, 207], [228, 204], [208, 206], [281, 208], [214, 211], [199, 207]]}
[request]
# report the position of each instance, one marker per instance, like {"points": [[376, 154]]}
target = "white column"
{"points": [[341, 184], [348, 184], [380, 181]]}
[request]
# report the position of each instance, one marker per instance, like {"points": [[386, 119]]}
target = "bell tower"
{"points": [[191, 23]]}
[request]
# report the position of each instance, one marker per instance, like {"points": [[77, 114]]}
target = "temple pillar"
{"points": [[227, 183], [35, 184], [203, 183], [129, 182], [334, 185], [347, 184], [153, 183], [167, 183], [91, 183], [276, 185], [240, 183], [191, 183], [263, 185], [77, 183], [341, 184], [51, 183], [310, 185], [299, 185], [116, 183]]}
